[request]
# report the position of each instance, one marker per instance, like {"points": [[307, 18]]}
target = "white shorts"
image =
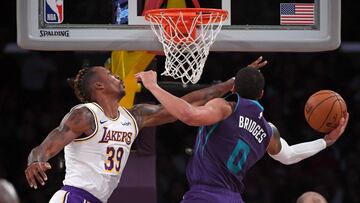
{"points": [[69, 194]]}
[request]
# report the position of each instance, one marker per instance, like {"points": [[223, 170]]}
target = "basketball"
{"points": [[324, 109]]}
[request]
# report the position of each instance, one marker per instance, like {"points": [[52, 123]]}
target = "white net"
{"points": [[186, 39]]}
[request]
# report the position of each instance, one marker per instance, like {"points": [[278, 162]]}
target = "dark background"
{"points": [[34, 97]]}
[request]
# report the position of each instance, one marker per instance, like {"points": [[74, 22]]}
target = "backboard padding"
{"points": [[326, 36]]}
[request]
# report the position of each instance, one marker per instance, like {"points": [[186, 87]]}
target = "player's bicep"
{"points": [[57, 140], [79, 121], [274, 146], [73, 125]]}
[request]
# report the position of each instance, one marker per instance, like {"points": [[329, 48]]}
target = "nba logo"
{"points": [[54, 11]]}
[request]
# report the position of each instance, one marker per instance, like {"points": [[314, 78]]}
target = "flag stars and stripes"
{"points": [[297, 14]]}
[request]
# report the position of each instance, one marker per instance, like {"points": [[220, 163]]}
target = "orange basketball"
{"points": [[324, 109]]}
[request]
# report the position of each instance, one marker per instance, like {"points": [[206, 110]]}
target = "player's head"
{"points": [[8, 192], [95, 81], [311, 197], [249, 83]]}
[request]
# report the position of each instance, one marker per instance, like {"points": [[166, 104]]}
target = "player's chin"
{"points": [[122, 94], [122, 88]]}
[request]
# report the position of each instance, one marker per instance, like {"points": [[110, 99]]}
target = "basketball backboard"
{"points": [[118, 24]]}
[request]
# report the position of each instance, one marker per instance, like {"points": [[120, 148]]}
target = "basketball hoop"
{"points": [[186, 35]]}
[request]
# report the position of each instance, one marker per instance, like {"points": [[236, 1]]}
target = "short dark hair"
{"points": [[81, 84], [249, 83]]}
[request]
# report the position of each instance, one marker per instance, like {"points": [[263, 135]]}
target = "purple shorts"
{"points": [[208, 194]]}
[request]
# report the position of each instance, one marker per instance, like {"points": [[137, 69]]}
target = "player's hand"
{"points": [[35, 173], [337, 132], [148, 78], [258, 63]]}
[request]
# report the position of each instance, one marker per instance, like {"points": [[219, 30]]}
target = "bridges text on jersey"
{"points": [[252, 127]]}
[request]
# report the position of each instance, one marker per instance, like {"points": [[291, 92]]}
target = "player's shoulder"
{"points": [[220, 107], [128, 113], [90, 107], [81, 106], [136, 110], [81, 112], [80, 119], [219, 101]]}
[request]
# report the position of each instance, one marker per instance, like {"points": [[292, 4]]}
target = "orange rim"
{"points": [[188, 13]]}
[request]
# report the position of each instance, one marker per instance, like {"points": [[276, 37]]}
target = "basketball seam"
{"points": [[308, 118], [340, 99], [337, 99], [327, 116]]}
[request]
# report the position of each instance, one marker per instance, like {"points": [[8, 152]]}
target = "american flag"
{"points": [[297, 14]]}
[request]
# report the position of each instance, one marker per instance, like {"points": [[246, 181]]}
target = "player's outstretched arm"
{"points": [[279, 149], [214, 111], [74, 124], [153, 115]]}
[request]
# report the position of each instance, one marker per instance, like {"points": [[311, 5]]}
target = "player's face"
{"points": [[112, 83]]}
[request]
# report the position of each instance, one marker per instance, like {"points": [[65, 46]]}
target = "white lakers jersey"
{"points": [[95, 163]]}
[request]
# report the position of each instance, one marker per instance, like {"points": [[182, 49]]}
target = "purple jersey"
{"points": [[225, 151]]}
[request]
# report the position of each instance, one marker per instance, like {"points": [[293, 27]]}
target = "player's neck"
{"points": [[109, 106]]}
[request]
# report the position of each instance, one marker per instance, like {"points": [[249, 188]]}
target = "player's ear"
{"points": [[261, 94], [71, 82]]}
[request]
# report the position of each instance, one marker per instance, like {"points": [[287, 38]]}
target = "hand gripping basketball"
{"points": [[337, 132], [324, 109]]}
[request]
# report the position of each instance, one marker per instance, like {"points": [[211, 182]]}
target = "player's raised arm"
{"points": [[154, 115], [279, 149], [74, 124], [258, 63], [214, 111]]}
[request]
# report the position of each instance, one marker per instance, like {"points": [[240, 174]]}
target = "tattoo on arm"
{"points": [[149, 115], [153, 115], [213, 94], [81, 120], [202, 96], [72, 126], [41, 153]]}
